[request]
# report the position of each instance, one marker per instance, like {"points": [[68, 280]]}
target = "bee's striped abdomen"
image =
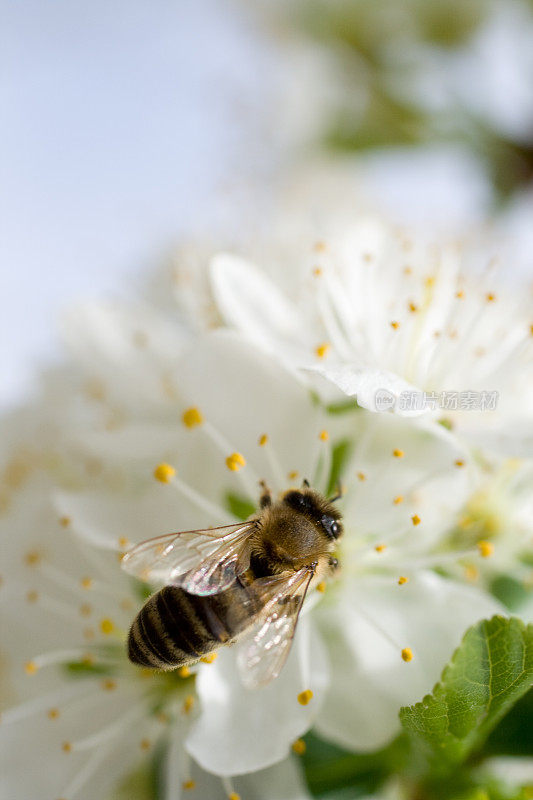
{"points": [[175, 628]]}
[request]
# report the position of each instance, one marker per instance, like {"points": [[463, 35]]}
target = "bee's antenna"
{"points": [[340, 493], [306, 483]]}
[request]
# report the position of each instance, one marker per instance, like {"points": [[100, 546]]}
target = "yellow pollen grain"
{"points": [[64, 521], [263, 439], [52, 713], [188, 704], [361, 476], [192, 417], [317, 272], [30, 668], [379, 548], [235, 462], [66, 747], [293, 475], [32, 596], [395, 325], [413, 308], [491, 297], [305, 697], [209, 659], [407, 654], [184, 672], [322, 349], [298, 747], [486, 549], [86, 609], [402, 580], [459, 463], [321, 587], [323, 436], [234, 796], [107, 626], [144, 744], [86, 583], [460, 295], [398, 453], [164, 472], [398, 499], [108, 685], [32, 558], [190, 784], [123, 542], [415, 519]]}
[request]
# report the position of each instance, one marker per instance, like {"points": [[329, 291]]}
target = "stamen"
{"points": [[192, 417], [298, 747], [416, 519], [184, 672], [398, 453], [230, 791], [235, 462], [323, 436], [407, 654], [323, 349], [199, 500], [486, 549], [64, 521], [209, 658], [402, 580], [361, 476], [379, 548], [305, 697], [188, 704], [107, 626], [189, 784], [164, 472], [395, 325], [397, 500], [321, 587], [263, 439]]}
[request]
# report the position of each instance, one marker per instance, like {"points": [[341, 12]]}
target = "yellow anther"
{"points": [[368, 257], [190, 784], [379, 548], [32, 558], [188, 704], [192, 417], [144, 744], [460, 295], [235, 462], [317, 272], [398, 499], [407, 654], [263, 439], [298, 747], [531, 329], [32, 596], [108, 685], [402, 580], [30, 668], [123, 542], [471, 573], [209, 659], [52, 713], [459, 463], [87, 659], [486, 549], [321, 587], [86, 609], [415, 519], [86, 583], [322, 349], [164, 472], [107, 626], [184, 672], [66, 747], [361, 476], [293, 475], [64, 521], [398, 453], [305, 697], [234, 796], [319, 247], [395, 325], [413, 307], [323, 436], [407, 270], [429, 281], [491, 297], [88, 633]]}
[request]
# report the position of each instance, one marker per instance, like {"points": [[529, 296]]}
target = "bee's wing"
{"points": [[264, 651], [201, 561]]}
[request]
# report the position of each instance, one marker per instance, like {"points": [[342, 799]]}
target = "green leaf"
{"points": [[489, 672], [239, 506], [340, 454]]}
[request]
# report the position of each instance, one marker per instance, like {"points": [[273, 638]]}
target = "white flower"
{"points": [[381, 317], [83, 490]]}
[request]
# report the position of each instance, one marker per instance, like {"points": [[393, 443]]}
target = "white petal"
{"points": [[370, 681], [239, 730]]}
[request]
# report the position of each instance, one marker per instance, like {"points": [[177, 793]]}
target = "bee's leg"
{"points": [[265, 498], [340, 492]]}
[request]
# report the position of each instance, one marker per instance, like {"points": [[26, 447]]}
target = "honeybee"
{"points": [[246, 581]]}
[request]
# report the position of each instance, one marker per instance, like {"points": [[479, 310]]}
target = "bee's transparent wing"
{"points": [[201, 562], [264, 651]]}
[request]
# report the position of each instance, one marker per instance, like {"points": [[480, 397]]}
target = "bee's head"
{"points": [[317, 509]]}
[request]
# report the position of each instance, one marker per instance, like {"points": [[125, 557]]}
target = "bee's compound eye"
{"points": [[331, 526], [335, 528]]}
